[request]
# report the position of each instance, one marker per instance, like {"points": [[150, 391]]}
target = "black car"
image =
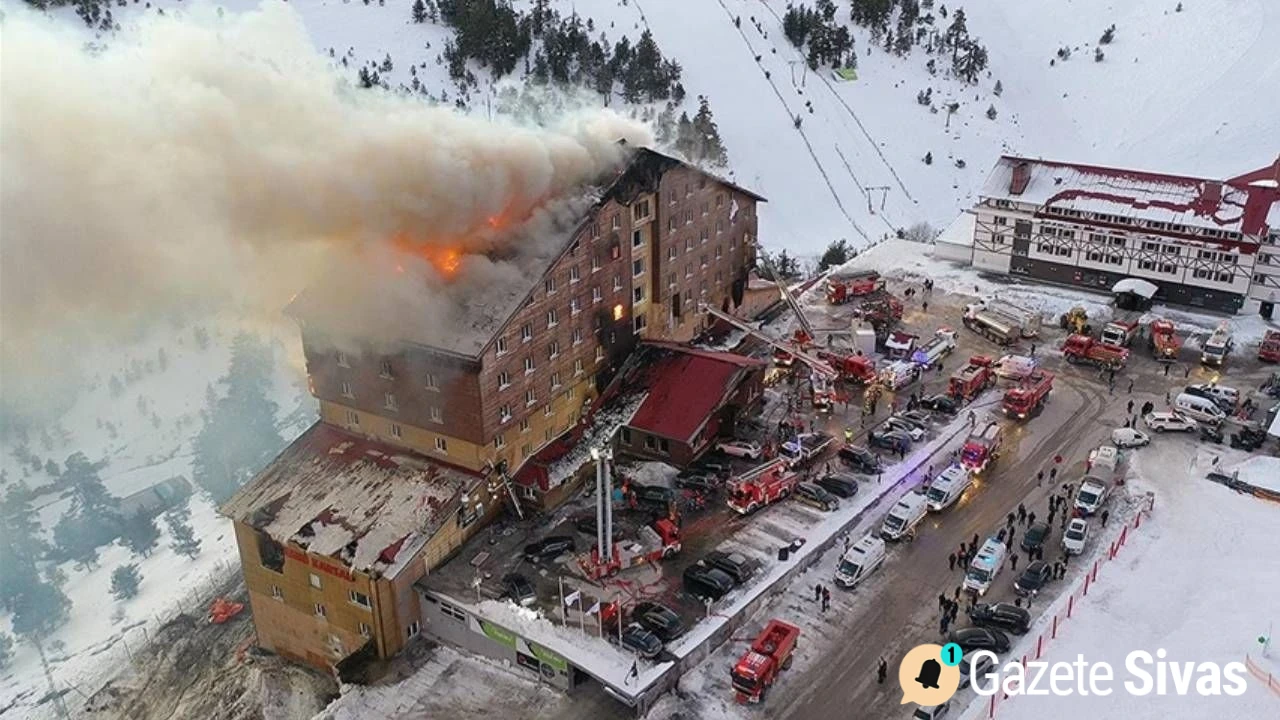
{"points": [[941, 403], [1248, 439], [1001, 616], [979, 638], [845, 486], [549, 548], [703, 482], [659, 620], [860, 459], [585, 524], [653, 494], [1034, 577], [1211, 433], [894, 440], [704, 467], [707, 583], [639, 641], [734, 564], [1035, 536], [518, 589], [919, 418]]}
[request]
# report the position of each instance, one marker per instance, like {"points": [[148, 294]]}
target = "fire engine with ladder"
{"points": [[762, 486], [654, 544]]}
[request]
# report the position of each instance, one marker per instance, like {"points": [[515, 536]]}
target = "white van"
{"points": [[1215, 349], [860, 561], [900, 374], [948, 487], [985, 567], [1091, 495], [1103, 461], [1200, 409], [902, 519], [1226, 398]]}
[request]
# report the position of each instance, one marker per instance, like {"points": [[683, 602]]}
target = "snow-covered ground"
{"points": [[138, 455], [1197, 580]]}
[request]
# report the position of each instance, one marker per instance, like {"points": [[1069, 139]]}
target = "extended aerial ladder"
{"points": [[822, 376], [783, 290]]}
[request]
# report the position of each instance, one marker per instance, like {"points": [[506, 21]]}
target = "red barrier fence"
{"points": [[1091, 578], [1269, 680]]}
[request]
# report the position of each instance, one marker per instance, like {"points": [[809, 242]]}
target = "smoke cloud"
{"points": [[207, 160]]}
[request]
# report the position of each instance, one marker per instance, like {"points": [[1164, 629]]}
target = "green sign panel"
{"points": [[549, 658], [497, 634]]}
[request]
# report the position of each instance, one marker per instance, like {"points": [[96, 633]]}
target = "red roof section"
{"points": [[686, 385]]}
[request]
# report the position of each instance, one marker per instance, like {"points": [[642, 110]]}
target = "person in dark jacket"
{"points": [[882, 671], [951, 560]]}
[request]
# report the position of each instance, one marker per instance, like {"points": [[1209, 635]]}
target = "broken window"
{"points": [[270, 553]]}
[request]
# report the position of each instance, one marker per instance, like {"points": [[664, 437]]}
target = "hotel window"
{"points": [[671, 252], [553, 349], [504, 415], [1065, 251], [640, 211], [526, 450], [617, 282], [704, 261], [671, 280], [397, 431], [435, 414], [575, 306], [1002, 220], [702, 236], [555, 380], [595, 262], [320, 611], [574, 274], [365, 630], [599, 352], [688, 269], [389, 401], [499, 441], [358, 598], [637, 268], [277, 593], [719, 226], [637, 238], [688, 217], [528, 365], [548, 434], [524, 425], [433, 383], [577, 366], [501, 348], [596, 295], [530, 398], [640, 322], [413, 629], [504, 380], [342, 360], [526, 332], [688, 189], [719, 199], [595, 230], [346, 390], [615, 221], [637, 294], [442, 445], [671, 196], [719, 251], [671, 223], [315, 581], [547, 411], [353, 418], [577, 336], [706, 208], [385, 370], [550, 286]]}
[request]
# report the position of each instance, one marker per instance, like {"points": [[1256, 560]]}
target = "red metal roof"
{"points": [[685, 386]]}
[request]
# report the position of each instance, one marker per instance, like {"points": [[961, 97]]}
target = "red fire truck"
{"points": [[1084, 349], [1269, 350], [762, 486], [1028, 396], [843, 289], [972, 379], [654, 544], [851, 368], [982, 447], [770, 654], [1165, 343]]}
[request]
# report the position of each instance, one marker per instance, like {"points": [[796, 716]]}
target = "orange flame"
{"points": [[444, 258]]}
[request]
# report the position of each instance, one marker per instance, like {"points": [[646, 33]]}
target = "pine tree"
{"points": [[957, 33], [21, 544], [184, 540], [998, 89], [419, 12], [1108, 35], [93, 518], [124, 581], [991, 112], [837, 253], [140, 533], [710, 149]]}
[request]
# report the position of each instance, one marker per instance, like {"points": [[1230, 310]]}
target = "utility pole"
{"points": [[804, 73], [884, 192]]}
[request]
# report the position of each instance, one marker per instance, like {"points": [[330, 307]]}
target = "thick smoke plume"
{"points": [[207, 159]]}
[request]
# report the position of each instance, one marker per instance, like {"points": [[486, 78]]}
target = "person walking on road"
{"points": [[1053, 473], [1129, 408], [1022, 513], [951, 562], [1131, 388], [1166, 369], [1039, 478], [1031, 519], [1105, 515], [944, 624], [1013, 562], [942, 601], [826, 599], [817, 592], [882, 671], [1033, 349], [1187, 373]]}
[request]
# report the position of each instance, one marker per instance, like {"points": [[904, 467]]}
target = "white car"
{"points": [[1073, 539], [1162, 421], [1124, 438], [915, 432], [741, 448]]}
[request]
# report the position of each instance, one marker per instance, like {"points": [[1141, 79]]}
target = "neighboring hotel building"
{"points": [[1204, 243], [405, 463]]}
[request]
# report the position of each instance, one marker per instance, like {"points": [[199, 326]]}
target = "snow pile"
{"points": [[650, 473], [1261, 471], [603, 426]]}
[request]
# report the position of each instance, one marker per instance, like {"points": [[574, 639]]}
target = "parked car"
{"points": [[1211, 433], [1129, 438], [1001, 616], [1074, 538], [586, 524], [840, 484], [1170, 421], [708, 467], [638, 640], [973, 664], [549, 548], [860, 459], [653, 494], [1035, 536], [1035, 576], [933, 712], [941, 403], [734, 564], [919, 417], [741, 448], [913, 431], [518, 589], [706, 583], [889, 439], [811, 494], [698, 481], [659, 620], [978, 638], [1248, 439]]}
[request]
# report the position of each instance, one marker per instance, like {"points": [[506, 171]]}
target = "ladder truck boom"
{"points": [[786, 295], [815, 363]]}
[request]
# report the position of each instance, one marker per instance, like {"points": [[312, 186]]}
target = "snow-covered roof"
{"points": [[1137, 286], [1241, 204], [369, 505], [960, 231]]}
